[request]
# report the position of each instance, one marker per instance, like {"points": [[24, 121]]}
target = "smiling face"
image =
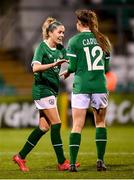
{"points": [[57, 35]]}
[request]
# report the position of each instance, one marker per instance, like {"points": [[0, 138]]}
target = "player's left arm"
{"points": [[107, 62], [72, 65]]}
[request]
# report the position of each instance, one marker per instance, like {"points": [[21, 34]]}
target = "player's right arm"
{"points": [[42, 67], [37, 65], [71, 53]]}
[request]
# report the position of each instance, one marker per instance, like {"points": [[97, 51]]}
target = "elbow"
{"points": [[35, 69]]}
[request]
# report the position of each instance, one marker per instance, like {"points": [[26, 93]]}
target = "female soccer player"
{"points": [[88, 52], [48, 57]]}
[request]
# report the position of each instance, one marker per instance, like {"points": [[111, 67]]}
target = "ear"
{"points": [[79, 23], [50, 33]]}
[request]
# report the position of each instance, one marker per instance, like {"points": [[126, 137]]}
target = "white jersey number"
{"points": [[95, 65]]}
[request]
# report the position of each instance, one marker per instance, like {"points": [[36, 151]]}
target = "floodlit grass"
{"points": [[42, 161]]}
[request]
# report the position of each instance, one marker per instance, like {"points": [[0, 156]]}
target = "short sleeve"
{"points": [[71, 52], [38, 55], [72, 56]]}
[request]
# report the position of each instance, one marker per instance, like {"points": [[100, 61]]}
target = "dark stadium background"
{"points": [[21, 21], [20, 32]]}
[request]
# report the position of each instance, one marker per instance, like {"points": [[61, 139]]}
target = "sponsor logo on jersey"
{"points": [[49, 55], [61, 56]]}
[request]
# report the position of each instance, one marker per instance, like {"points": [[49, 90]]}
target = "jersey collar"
{"points": [[49, 46], [86, 30]]}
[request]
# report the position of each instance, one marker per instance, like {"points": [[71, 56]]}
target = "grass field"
{"points": [[42, 162]]}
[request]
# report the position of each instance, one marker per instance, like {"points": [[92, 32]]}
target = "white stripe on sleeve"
{"points": [[72, 55], [35, 62]]}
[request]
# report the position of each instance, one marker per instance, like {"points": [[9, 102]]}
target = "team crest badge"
{"points": [[51, 101]]}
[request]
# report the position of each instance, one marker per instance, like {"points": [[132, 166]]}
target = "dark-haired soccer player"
{"points": [[89, 54]]}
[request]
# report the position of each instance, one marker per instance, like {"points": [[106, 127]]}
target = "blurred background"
{"points": [[20, 32]]}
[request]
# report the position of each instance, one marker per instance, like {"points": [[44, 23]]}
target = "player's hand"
{"points": [[59, 62], [64, 74]]}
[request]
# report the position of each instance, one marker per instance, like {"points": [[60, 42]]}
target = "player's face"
{"points": [[57, 35]]}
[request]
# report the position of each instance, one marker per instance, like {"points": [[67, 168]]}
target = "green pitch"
{"points": [[42, 162]]}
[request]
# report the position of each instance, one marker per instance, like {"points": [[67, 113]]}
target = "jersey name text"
{"points": [[89, 41]]}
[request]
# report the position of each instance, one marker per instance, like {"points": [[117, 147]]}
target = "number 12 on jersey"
{"points": [[95, 65]]}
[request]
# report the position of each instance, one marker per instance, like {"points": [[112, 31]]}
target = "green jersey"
{"points": [[88, 62], [46, 83]]}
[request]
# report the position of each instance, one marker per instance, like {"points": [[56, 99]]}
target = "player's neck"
{"points": [[85, 30], [51, 43]]}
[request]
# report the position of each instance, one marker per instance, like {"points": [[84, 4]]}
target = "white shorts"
{"points": [[83, 101], [46, 103]]}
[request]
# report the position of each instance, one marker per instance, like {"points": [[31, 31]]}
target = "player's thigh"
{"points": [[44, 123], [99, 115], [52, 115], [79, 116], [79, 103], [99, 103], [48, 105]]}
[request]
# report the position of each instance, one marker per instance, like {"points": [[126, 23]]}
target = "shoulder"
{"points": [[40, 44], [74, 39], [40, 47]]}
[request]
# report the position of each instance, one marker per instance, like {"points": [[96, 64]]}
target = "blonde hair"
{"points": [[89, 18], [49, 25]]}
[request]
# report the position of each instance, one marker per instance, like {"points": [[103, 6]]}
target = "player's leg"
{"points": [[35, 136], [79, 104], [75, 135], [101, 137], [53, 116], [99, 110], [31, 142]]}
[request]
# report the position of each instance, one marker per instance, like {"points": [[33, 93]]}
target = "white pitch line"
{"points": [[80, 153]]}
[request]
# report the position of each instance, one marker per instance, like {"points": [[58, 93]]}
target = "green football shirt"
{"points": [[88, 62], [46, 83]]}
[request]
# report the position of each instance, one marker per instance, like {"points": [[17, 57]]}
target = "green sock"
{"points": [[101, 140], [57, 142], [74, 143], [31, 142]]}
